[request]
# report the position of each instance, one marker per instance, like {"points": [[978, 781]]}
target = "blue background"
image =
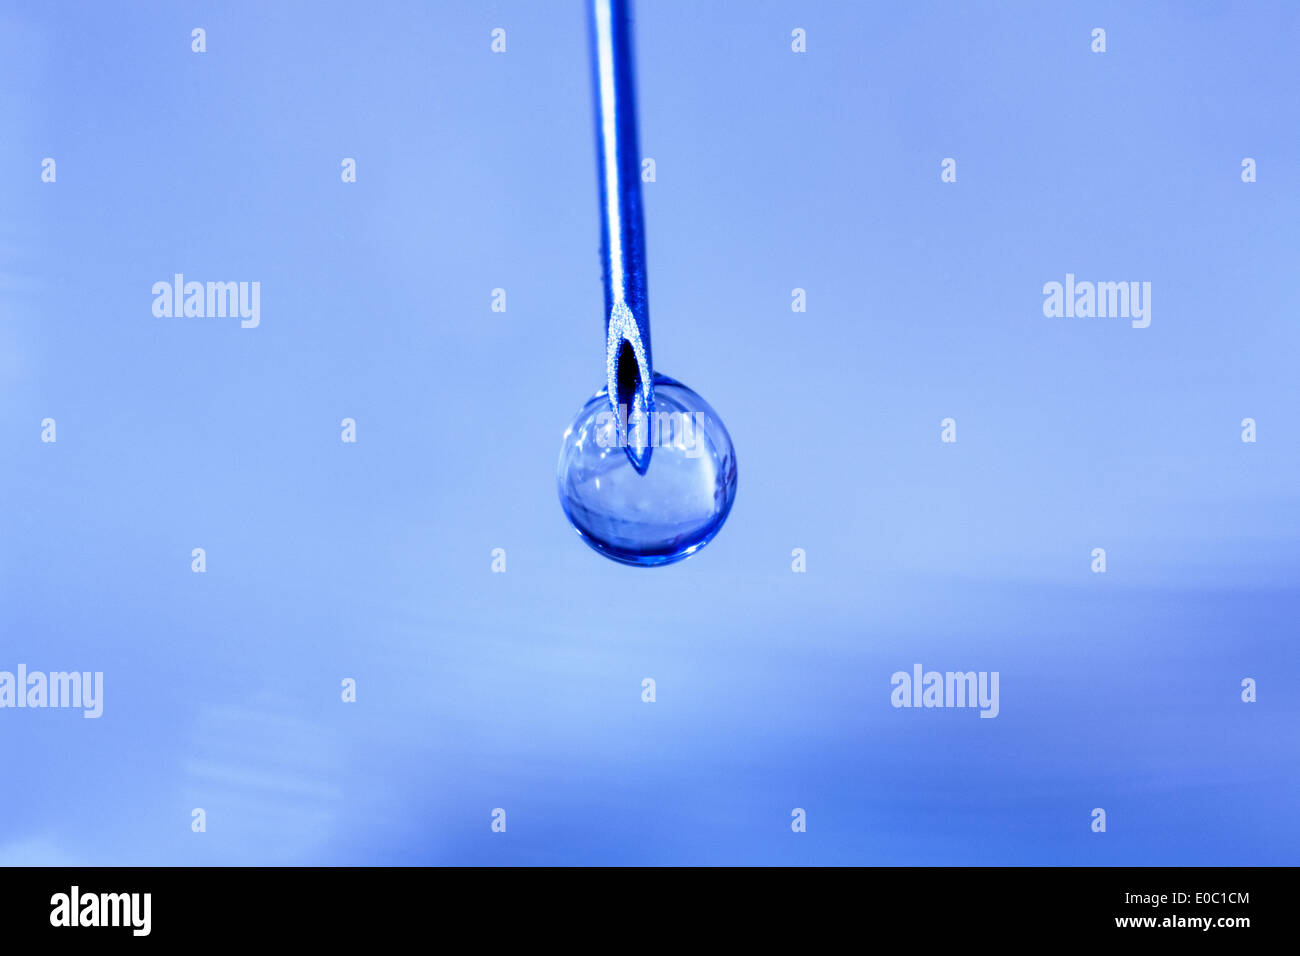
{"points": [[523, 690]]}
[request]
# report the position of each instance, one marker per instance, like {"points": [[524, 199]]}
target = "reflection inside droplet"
{"points": [[681, 501]]}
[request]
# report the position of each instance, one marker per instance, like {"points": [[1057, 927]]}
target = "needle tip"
{"points": [[638, 445], [630, 385]]}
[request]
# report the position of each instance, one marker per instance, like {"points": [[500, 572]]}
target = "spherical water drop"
{"points": [[675, 507]]}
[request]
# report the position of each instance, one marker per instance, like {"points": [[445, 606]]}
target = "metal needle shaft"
{"points": [[628, 364]]}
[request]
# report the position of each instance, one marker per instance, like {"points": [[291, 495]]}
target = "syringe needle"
{"points": [[629, 368]]}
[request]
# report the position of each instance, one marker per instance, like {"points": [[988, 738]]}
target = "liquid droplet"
{"points": [[678, 504]]}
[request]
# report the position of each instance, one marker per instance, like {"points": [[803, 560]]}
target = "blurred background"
{"points": [[774, 171]]}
